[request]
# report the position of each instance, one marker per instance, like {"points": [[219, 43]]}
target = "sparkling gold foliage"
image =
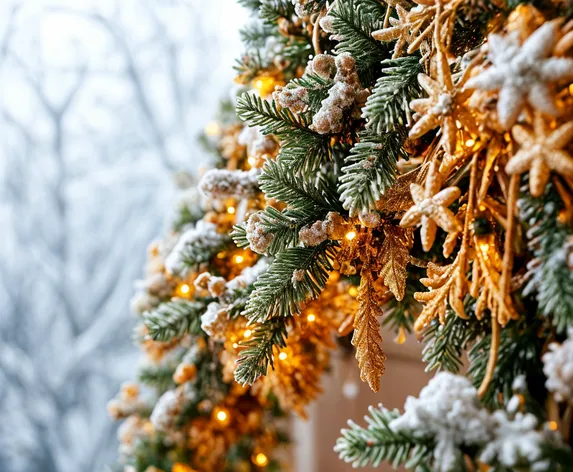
{"points": [[394, 257], [367, 338]]}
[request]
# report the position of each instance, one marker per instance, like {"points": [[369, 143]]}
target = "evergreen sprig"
{"points": [[370, 170], [255, 35], [401, 314], [519, 354], [173, 319], [354, 21], [277, 181], [301, 148], [271, 10], [316, 87], [307, 201], [387, 107], [378, 442], [252, 5], [258, 350], [551, 277], [445, 345], [192, 255], [295, 276], [157, 376]]}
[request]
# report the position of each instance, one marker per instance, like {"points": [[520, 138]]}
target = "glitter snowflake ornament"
{"points": [[524, 74], [541, 151], [430, 208], [558, 367]]}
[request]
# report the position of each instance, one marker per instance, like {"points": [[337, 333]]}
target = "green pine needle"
{"points": [[387, 107], [370, 170], [378, 442], [520, 353], [173, 319], [551, 279], [158, 376], [445, 345], [354, 21], [301, 148], [259, 349], [296, 275]]}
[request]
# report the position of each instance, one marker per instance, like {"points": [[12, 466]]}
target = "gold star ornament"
{"points": [[541, 151], [430, 208]]}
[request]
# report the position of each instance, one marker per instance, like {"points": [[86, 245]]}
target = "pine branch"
{"points": [[387, 107], [295, 276], [445, 345], [255, 34], [369, 171], [304, 152], [157, 376], [316, 87], [353, 22], [252, 5], [551, 278], [277, 181], [250, 65], [520, 350], [301, 148], [257, 354], [370, 446], [239, 235], [184, 216], [195, 248], [271, 10], [307, 201], [401, 314], [173, 319], [295, 51], [286, 225]]}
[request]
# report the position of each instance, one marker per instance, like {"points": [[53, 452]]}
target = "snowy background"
{"points": [[100, 101]]}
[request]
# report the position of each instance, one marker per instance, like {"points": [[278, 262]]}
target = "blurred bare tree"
{"points": [[100, 101]]}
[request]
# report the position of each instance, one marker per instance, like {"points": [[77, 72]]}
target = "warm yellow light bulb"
{"points": [[247, 333], [264, 84], [470, 142], [184, 289], [353, 291], [401, 338], [350, 235], [212, 128], [231, 210], [222, 416], [552, 425], [239, 259], [260, 459], [235, 345], [311, 317], [181, 467], [282, 356], [252, 161]]}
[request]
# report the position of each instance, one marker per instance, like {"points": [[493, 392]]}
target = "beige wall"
{"points": [[316, 437]]}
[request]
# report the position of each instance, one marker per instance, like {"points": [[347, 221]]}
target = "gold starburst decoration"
{"points": [[541, 151], [444, 105], [413, 26], [430, 208]]}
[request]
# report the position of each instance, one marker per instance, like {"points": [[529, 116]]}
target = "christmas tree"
{"points": [[399, 162]]}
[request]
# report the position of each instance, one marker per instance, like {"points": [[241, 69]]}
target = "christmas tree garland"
{"points": [[416, 170]]}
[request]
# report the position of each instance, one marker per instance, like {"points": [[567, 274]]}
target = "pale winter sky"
{"points": [[100, 102]]}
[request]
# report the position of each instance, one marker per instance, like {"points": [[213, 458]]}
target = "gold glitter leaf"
{"points": [[395, 255], [367, 338]]}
